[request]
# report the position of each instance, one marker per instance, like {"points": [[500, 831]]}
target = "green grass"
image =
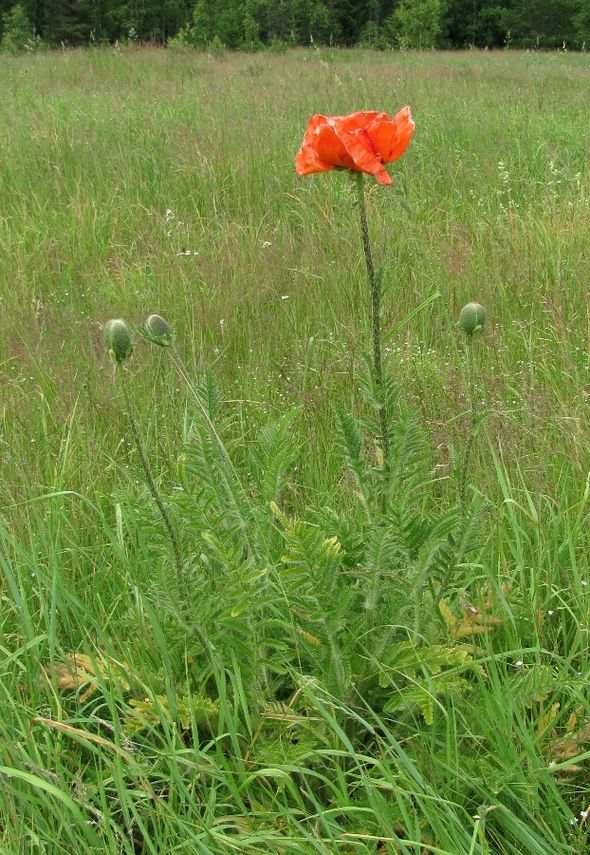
{"points": [[309, 724]]}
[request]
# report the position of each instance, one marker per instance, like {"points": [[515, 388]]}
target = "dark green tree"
{"points": [[475, 22], [17, 30], [250, 24], [581, 25], [539, 23], [67, 22]]}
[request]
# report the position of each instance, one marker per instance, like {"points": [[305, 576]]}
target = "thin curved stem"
{"points": [[179, 366], [154, 490], [187, 618]]}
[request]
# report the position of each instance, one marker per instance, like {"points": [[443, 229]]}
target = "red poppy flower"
{"points": [[362, 142]]}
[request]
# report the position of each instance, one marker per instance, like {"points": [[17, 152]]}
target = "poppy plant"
{"points": [[361, 142]]}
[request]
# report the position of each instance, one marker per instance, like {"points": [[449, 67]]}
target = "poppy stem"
{"points": [[154, 490], [470, 367], [375, 286], [234, 481]]}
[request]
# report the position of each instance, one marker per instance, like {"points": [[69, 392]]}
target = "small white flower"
{"points": [[265, 244], [550, 612], [519, 664]]}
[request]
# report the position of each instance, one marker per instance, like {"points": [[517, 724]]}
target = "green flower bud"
{"points": [[158, 331], [117, 337], [472, 318]]}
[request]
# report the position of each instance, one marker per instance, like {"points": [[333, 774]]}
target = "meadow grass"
{"points": [[143, 180]]}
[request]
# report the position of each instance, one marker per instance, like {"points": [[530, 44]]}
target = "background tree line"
{"points": [[251, 24]]}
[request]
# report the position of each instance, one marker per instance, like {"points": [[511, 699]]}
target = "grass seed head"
{"points": [[118, 340]]}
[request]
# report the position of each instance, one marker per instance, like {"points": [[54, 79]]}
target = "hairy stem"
{"points": [[473, 428], [233, 483], [375, 287], [233, 487], [154, 491]]}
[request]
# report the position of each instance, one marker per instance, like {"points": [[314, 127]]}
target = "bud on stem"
{"points": [[118, 340], [472, 318], [158, 331]]}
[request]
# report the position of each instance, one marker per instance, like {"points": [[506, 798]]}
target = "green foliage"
{"points": [[68, 22], [581, 25], [377, 24], [17, 33], [415, 24], [419, 676], [299, 725], [250, 32], [535, 23], [205, 27]]}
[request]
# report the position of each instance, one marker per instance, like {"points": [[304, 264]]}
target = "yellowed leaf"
{"points": [[379, 456], [78, 670], [448, 617], [470, 612], [311, 639], [573, 720], [548, 718], [466, 628]]}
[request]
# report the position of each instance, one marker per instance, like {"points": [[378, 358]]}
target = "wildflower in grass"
{"points": [[361, 142], [117, 337]]}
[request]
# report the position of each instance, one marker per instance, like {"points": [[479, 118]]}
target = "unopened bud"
{"points": [[117, 337], [158, 331], [472, 318]]}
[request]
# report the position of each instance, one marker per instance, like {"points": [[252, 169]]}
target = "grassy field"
{"points": [[339, 676]]}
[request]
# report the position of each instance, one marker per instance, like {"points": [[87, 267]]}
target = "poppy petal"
{"points": [[307, 162], [383, 177], [330, 147], [361, 150], [391, 138], [357, 120], [312, 125]]}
